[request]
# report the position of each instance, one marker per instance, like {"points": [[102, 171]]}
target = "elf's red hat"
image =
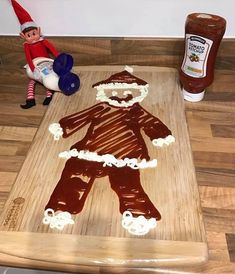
{"points": [[24, 18]]}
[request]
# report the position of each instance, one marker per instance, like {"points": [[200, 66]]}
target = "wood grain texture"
{"points": [[180, 236], [219, 99], [102, 51], [231, 246], [76, 250]]}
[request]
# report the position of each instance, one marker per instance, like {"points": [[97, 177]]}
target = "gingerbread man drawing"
{"points": [[113, 146]]}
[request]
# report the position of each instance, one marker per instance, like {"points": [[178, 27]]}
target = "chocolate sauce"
{"points": [[71, 191], [116, 131], [122, 77]]}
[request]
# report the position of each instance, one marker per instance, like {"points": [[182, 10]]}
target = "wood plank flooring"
{"points": [[211, 126]]}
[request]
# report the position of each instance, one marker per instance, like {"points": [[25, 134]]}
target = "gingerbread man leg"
{"points": [[71, 191], [132, 197], [139, 215]]}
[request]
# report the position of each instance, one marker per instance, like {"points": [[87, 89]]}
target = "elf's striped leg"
{"points": [[30, 100], [48, 98]]}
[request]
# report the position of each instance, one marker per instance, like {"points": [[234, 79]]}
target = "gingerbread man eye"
{"points": [[127, 92]]}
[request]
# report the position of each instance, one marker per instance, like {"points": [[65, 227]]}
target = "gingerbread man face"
{"points": [[121, 96], [121, 89]]}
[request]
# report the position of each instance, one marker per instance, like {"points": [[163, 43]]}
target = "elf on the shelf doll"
{"points": [[35, 46]]}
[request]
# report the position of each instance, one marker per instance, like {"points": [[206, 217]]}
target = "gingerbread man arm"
{"points": [[155, 129], [72, 123]]}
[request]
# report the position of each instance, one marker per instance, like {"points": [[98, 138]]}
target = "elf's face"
{"points": [[31, 36]]}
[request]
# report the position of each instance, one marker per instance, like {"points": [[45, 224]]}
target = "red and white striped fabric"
{"points": [[30, 90]]}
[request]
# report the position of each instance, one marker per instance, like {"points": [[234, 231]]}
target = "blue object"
{"points": [[62, 64], [69, 83], [45, 71]]}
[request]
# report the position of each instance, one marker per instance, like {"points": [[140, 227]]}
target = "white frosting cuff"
{"points": [[159, 142], [108, 159], [137, 225], [59, 220], [56, 130]]}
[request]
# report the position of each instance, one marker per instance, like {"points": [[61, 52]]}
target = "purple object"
{"points": [[69, 82]]}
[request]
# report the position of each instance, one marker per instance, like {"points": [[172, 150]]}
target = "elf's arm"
{"points": [[28, 56], [72, 123], [155, 129], [50, 47]]}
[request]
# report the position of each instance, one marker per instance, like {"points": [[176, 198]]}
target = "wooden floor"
{"points": [[211, 126]]}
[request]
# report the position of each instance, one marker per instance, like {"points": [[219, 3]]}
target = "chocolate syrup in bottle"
{"points": [[203, 34]]}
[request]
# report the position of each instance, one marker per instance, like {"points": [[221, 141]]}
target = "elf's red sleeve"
{"points": [[28, 56], [50, 47]]}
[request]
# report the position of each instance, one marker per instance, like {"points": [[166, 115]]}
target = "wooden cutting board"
{"points": [[97, 237]]}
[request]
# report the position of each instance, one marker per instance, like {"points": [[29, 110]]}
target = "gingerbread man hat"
{"points": [[124, 77], [23, 16]]}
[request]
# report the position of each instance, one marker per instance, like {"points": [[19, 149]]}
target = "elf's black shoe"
{"points": [[47, 101], [29, 103]]}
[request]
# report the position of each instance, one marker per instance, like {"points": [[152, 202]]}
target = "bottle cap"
{"points": [[62, 64], [193, 97]]}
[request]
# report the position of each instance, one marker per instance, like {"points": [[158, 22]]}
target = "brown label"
{"points": [[13, 212]]}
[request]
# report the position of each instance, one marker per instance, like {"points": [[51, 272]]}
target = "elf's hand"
{"points": [[37, 75]]}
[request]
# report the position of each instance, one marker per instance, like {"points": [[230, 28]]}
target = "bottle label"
{"points": [[197, 50]]}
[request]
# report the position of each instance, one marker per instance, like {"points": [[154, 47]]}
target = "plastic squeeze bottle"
{"points": [[203, 34]]}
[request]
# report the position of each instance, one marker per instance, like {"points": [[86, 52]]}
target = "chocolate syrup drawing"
{"points": [[113, 146]]}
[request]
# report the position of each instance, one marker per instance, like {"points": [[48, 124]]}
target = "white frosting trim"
{"points": [[108, 159], [56, 130], [121, 86], [59, 220], [129, 69], [159, 142], [137, 225], [101, 96]]}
